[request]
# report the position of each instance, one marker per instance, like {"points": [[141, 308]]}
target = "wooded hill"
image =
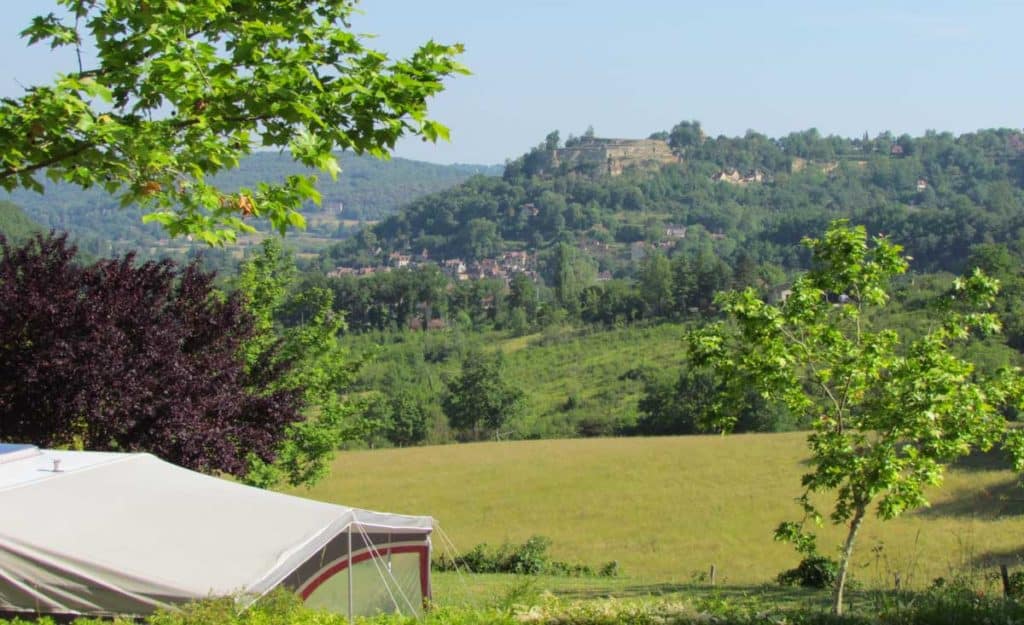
{"points": [[755, 196], [368, 189]]}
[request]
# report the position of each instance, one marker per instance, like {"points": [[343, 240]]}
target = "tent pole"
{"points": [[351, 598]]}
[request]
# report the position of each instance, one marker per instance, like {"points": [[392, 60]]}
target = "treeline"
{"points": [[566, 288]]}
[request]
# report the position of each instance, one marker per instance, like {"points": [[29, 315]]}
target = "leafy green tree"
{"points": [[431, 295], [685, 135], [479, 401], [994, 259], [522, 293], [482, 238], [319, 368], [399, 416], [656, 284], [888, 416], [572, 270], [684, 405], [552, 141], [410, 419], [182, 90], [518, 323], [673, 406]]}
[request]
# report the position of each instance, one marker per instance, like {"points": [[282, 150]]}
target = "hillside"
{"points": [[14, 223], [576, 383], [751, 196], [668, 508], [367, 189]]}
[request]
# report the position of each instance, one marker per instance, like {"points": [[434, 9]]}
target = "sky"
{"points": [[630, 68]]}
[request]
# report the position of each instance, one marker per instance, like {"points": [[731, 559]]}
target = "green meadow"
{"points": [[667, 509]]}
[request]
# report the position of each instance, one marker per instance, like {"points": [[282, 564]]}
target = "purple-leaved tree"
{"points": [[132, 357]]}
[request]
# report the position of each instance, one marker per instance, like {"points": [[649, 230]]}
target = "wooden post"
{"points": [[1006, 579], [713, 574]]}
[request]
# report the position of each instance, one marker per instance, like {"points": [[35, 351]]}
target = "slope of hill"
{"points": [[367, 189], [15, 224], [757, 196], [668, 508], [574, 383]]}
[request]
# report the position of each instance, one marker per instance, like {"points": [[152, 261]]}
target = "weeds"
{"points": [[947, 603]]}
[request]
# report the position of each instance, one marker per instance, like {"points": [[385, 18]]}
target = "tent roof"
{"points": [[172, 532]]}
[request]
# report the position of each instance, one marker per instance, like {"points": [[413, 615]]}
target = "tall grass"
{"points": [[532, 609]]}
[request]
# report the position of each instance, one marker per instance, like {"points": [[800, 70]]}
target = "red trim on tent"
{"points": [[331, 571]]}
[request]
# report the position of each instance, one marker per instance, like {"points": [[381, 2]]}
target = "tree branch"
{"points": [[56, 158]]}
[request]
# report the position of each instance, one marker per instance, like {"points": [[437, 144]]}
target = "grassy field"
{"points": [[668, 508]]}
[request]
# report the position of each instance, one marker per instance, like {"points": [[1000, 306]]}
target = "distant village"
{"points": [[502, 267], [508, 264]]}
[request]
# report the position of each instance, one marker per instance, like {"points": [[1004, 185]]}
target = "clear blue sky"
{"points": [[631, 68]]}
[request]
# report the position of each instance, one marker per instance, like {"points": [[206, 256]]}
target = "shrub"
{"points": [[528, 558], [814, 571]]}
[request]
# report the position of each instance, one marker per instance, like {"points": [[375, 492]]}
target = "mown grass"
{"points": [[668, 508], [484, 590]]}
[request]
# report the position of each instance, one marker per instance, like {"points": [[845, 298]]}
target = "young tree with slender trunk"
{"points": [[888, 415]]}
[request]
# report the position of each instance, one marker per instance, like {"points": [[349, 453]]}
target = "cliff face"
{"points": [[613, 156]]}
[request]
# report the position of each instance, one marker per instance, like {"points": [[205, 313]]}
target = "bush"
{"points": [[814, 571], [529, 558]]}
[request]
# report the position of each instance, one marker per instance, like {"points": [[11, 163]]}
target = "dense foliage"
{"points": [[128, 357], [313, 362], [183, 90]]}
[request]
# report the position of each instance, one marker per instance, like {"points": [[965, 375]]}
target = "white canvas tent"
{"points": [[90, 533]]}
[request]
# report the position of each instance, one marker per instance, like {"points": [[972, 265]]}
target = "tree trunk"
{"points": [[844, 562]]}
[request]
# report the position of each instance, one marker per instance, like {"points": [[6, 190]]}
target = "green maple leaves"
{"points": [[184, 90]]}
